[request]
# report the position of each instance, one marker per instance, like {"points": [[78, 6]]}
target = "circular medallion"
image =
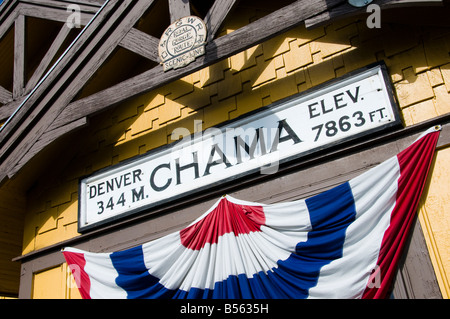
{"points": [[182, 42]]}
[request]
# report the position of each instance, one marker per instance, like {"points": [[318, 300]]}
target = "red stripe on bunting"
{"points": [[76, 263], [415, 162], [226, 218]]}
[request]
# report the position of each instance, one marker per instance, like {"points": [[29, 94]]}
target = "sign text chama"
{"points": [[182, 42], [340, 111]]}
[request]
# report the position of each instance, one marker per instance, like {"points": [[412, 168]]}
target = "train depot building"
{"points": [[123, 122]]}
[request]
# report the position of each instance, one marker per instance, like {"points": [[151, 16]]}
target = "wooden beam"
{"points": [[216, 15], [77, 69], [45, 140], [147, 45], [179, 9], [5, 95], [51, 13], [85, 6], [9, 13], [7, 110], [45, 62], [141, 43], [15, 137], [19, 56], [223, 47]]}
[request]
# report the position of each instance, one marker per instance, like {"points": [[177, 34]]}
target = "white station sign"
{"points": [[350, 107]]}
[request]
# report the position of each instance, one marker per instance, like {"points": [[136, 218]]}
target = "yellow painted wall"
{"points": [[434, 216], [419, 65], [55, 283]]}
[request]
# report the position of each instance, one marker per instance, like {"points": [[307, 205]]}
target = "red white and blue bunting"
{"points": [[342, 243]]}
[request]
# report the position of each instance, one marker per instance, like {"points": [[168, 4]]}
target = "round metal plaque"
{"points": [[182, 42]]}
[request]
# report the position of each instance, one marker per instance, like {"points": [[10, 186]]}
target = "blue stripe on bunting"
{"points": [[331, 212], [134, 277]]}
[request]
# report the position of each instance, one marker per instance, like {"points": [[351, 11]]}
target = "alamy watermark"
{"points": [[373, 21], [232, 146], [374, 278], [74, 18], [73, 279]]}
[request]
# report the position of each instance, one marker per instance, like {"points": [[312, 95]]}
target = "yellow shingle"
{"points": [[48, 220], [442, 100], [321, 71], [250, 99], [245, 59], [421, 111], [169, 111], [336, 41], [231, 85], [263, 72], [283, 87], [414, 88], [437, 51], [213, 73], [413, 58], [297, 57], [218, 112], [435, 77], [445, 71], [275, 47]]}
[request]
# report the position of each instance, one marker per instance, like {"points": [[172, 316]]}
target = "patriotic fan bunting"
{"points": [[342, 243]]}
